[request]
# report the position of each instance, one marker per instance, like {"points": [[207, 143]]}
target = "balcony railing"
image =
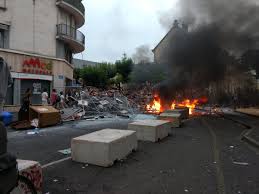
{"points": [[71, 32], [72, 36], [75, 3]]}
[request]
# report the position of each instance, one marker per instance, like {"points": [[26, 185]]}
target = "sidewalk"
{"points": [[251, 136], [255, 135], [249, 111]]}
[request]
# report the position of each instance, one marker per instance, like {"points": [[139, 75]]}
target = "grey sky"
{"points": [[116, 26]]}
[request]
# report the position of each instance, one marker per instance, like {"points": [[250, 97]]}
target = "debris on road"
{"points": [[33, 132], [21, 125], [65, 151], [241, 163]]}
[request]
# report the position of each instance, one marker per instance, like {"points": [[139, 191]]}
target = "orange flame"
{"points": [[156, 106], [189, 104]]}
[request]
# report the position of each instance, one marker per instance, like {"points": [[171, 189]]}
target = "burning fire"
{"points": [[156, 105]]}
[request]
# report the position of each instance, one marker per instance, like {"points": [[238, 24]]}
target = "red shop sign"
{"points": [[35, 66]]}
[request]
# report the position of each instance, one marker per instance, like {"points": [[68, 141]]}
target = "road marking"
{"points": [[55, 162], [216, 155]]}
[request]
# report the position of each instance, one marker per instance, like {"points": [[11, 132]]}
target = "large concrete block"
{"points": [[151, 130], [174, 118], [183, 111], [103, 147], [32, 170]]}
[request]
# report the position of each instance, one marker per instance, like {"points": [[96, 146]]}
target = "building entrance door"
{"points": [[37, 87]]}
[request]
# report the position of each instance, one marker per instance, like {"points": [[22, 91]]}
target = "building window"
{"points": [[1, 38], [4, 36], [68, 54], [2, 4]]}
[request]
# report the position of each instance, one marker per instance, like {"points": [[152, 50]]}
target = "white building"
{"points": [[38, 39]]}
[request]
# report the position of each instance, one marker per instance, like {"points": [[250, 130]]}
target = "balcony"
{"points": [[75, 8], [73, 37]]}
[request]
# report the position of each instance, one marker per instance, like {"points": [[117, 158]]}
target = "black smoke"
{"points": [[219, 33]]}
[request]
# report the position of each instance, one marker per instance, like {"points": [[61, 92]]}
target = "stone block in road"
{"points": [[174, 118], [183, 111], [151, 130], [103, 147], [33, 171]]}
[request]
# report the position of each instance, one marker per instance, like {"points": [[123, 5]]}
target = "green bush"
{"points": [[104, 74], [99, 75], [124, 67]]}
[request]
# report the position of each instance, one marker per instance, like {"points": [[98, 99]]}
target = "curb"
{"points": [[250, 141], [239, 122], [244, 113], [245, 137]]}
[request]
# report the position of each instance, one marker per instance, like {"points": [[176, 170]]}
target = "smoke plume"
{"points": [[142, 55], [219, 31]]}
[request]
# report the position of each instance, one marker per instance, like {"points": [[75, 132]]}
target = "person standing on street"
{"points": [[62, 100], [53, 98], [7, 162], [45, 97], [6, 81], [24, 110]]}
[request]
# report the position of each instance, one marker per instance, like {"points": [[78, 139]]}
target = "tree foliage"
{"points": [[103, 74], [99, 75], [124, 67]]}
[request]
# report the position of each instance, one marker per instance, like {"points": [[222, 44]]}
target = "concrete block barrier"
{"points": [[103, 147], [174, 118], [151, 130]]}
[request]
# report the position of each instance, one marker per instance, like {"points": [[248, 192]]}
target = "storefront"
{"points": [[37, 73], [36, 83]]}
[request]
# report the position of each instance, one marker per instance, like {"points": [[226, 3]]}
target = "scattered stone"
{"points": [[241, 163], [65, 151]]}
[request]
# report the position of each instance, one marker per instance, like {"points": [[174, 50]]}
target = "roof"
{"points": [[164, 38], [170, 31], [79, 63]]}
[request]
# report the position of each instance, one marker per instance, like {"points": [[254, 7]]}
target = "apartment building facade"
{"points": [[38, 39]]}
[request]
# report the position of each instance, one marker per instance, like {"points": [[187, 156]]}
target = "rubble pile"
{"points": [[141, 96], [96, 102]]}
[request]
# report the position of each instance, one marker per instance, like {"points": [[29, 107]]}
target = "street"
{"points": [[206, 155]]}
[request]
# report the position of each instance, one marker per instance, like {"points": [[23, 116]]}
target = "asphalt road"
{"points": [[205, 156]]}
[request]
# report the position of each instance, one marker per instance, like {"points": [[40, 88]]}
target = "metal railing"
{"points": [[77, 4], [71, 32]]}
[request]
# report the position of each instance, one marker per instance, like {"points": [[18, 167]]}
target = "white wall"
{"points": [[33, 25], [64, 18]]}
